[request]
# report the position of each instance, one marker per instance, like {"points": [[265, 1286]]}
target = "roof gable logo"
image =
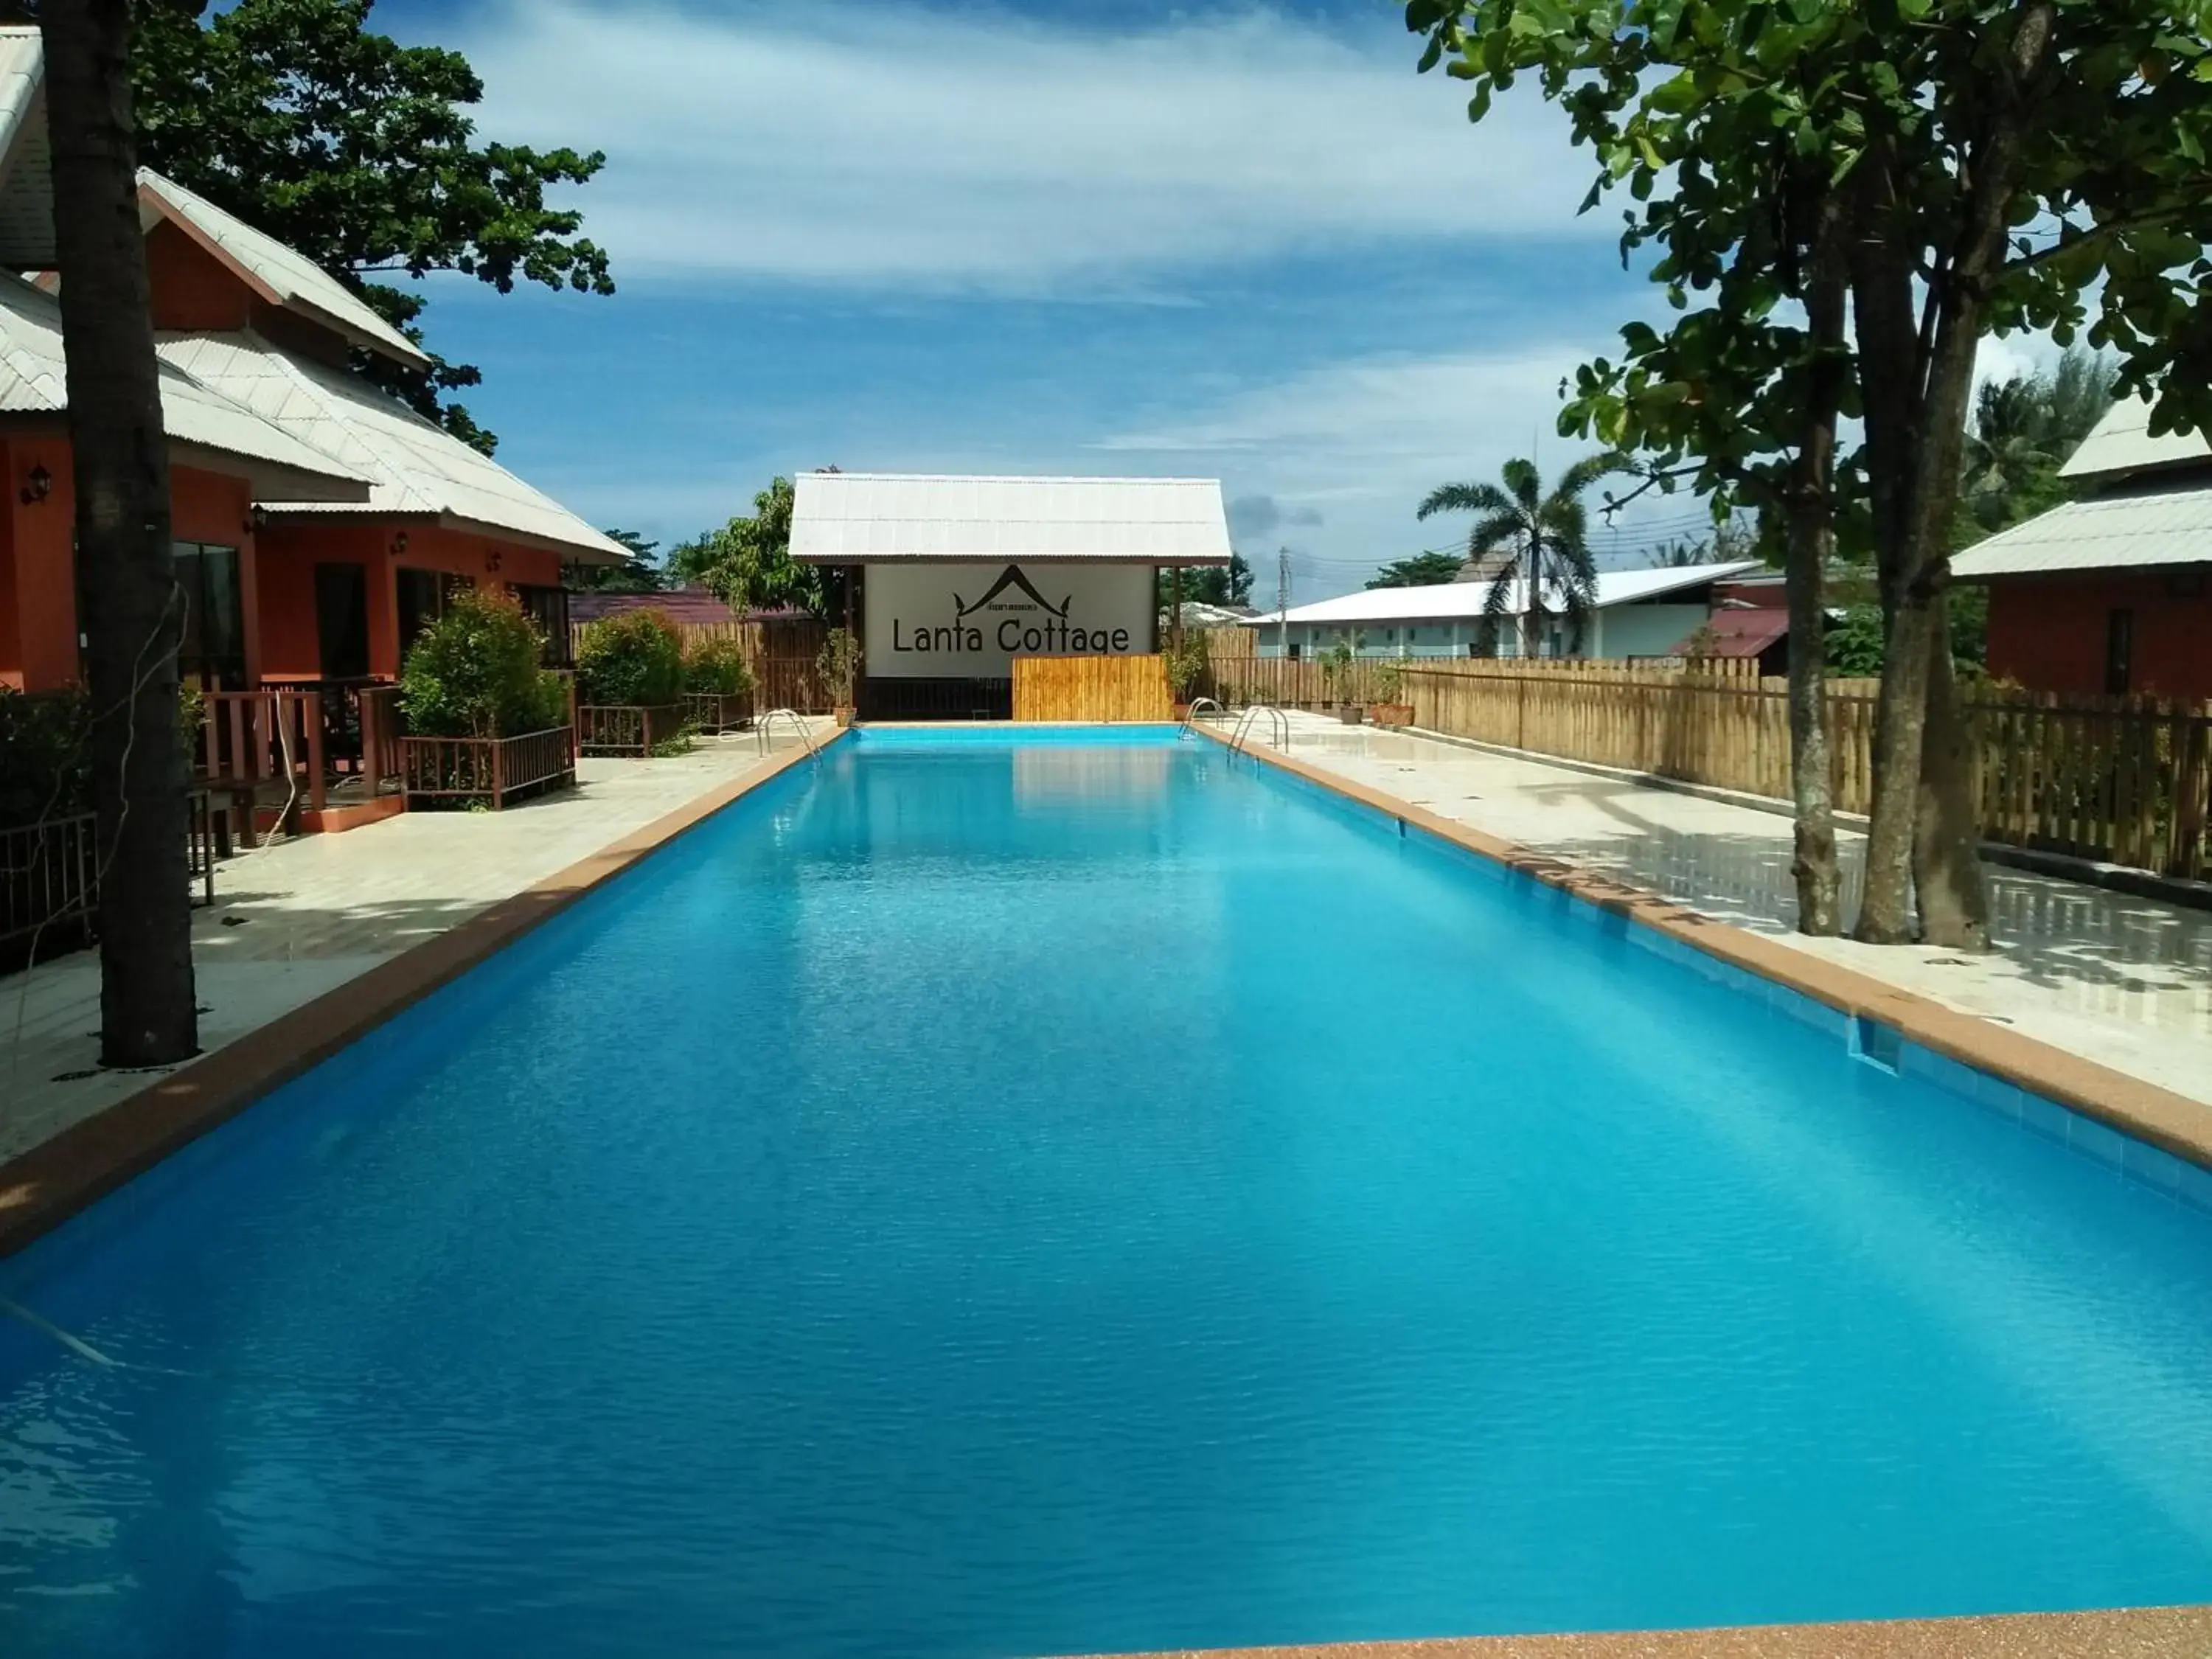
{"points": [[1011, 577]]}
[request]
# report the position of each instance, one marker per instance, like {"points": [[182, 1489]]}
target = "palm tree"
{"points": [[1537, 541]]}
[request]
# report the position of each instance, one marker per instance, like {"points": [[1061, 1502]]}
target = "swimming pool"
{"points": [[1001, 1196]]}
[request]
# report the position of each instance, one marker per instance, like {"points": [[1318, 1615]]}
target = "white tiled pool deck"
{"points": [[295, 919], [2122, 981]]}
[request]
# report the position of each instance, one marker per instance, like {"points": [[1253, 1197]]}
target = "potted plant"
{"points": [[1184, 658], [1336, 668], [629, 676], [718, 685], [486, 720], [840, 663], [1389, 681]]}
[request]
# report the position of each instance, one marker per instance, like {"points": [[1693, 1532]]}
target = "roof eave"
{"points": [[573, 552]]}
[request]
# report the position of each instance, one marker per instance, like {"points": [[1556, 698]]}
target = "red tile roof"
{"points": [[1737, 634]]}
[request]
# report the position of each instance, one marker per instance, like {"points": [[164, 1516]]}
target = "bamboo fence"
{"points": [[2127, 780], [784, 657], [1091, 688]]}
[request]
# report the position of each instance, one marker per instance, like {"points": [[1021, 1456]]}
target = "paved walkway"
{"points": [[295, 918], [2126, 982]]}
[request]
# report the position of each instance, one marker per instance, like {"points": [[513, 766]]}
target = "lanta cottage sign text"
{"points": [[971, 621]]}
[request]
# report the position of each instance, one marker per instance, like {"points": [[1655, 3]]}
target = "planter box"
{"points": [[626, 728], [717, 712], [492, 770], [1350, 713], [1390, 713]]}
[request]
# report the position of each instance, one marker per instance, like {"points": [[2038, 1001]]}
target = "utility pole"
{"points": [[1283, 602]]}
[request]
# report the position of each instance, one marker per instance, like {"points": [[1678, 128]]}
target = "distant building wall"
{"points": [[2065, 632]]}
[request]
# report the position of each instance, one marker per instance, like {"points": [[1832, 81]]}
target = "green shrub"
{"points": [[44, 771], [635, 660], [475, 672], [716, 667], [1185, 660]]}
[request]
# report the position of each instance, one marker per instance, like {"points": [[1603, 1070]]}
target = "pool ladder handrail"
{"points": [[1279, 724], [799, 720], [1190, 713]]}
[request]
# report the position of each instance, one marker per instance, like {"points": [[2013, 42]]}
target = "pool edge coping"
{"points": [[2181, 1630], [69, 1172], [2143, 1110]]}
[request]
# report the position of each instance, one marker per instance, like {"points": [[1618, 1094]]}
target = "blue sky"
{"points": [[1115, 237]]}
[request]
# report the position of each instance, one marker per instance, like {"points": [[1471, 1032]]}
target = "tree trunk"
{"points": [[1901, 722], [133, 611], [1947, 841], [1811, 533]]}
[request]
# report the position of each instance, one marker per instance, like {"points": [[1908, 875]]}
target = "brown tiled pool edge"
{"points": [[2173, 1122], [2120, 1634], [44, 1187]]}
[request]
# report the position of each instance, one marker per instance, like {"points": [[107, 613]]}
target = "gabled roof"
{"points": [[853, 518], [2121, 443], [274, 271], [2152, 525], [27, 183], [34, 381], [1455, 601], [416, 469]]}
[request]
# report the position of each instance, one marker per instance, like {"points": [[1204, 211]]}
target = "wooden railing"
{"points": [[2128, 781], [492, 770], [1091, 688], [307, 736], [717, 712], [626, 728], [50, 880]]}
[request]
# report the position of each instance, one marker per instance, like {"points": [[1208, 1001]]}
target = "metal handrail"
{"points": [[761, 733], [1190, 713], [1280, 726]]}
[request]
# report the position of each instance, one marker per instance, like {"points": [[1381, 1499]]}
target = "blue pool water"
{"points": [[997, 1198]]}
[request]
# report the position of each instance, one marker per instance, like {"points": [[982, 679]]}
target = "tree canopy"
{"points": [[358, 152], [1841, 201], [2024, 428], [642, 574], [1422, 570], [747, 562], [1212, 584]]}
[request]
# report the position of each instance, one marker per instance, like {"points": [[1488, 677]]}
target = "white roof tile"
{"points": [[1448, 602], [853, 518], [2121, 443], [414, 465], [2149, 525], [278, 273], [26, 190], [33, 380]]}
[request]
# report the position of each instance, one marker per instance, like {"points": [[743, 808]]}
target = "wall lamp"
{"points": [[399, 543], [38, 486]]}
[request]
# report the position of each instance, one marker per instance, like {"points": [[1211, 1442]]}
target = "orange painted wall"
{"points": [[38, 569], [289, 553], [2049, 632], [38, 613]]}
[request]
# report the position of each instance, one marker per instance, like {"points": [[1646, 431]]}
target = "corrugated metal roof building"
{"points": [[2108, 594], [1639, 613], [950, 577]]}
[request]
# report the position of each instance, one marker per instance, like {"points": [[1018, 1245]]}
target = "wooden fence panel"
{"points": [[1091, 688]]}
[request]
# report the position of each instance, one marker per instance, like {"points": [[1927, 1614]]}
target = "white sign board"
{"points": [[930, 621]]}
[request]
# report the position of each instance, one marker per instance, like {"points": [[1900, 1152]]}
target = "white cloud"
{"points": [[1364, 440], [967, 151]]}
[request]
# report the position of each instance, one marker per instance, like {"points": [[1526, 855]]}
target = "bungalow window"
{"points": [[2119, 652], [213, 648], [549, 608], [423, 597]]}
